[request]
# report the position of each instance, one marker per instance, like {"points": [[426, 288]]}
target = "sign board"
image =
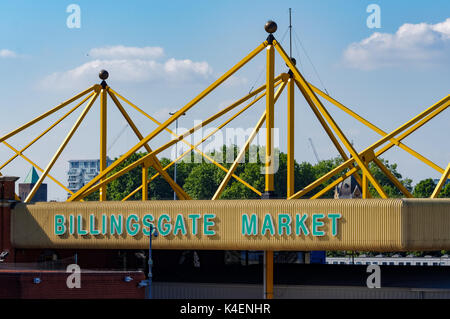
{"points": [[347, 224]]}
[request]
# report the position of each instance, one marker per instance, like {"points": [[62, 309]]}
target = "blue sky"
{"points": [[170, 51]]}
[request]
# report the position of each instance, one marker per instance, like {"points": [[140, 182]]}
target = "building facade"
{"points": [[82, 172], [30, 180]]}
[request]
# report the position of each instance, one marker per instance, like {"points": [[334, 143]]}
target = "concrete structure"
{"points": [[82, 172], [26, 187]]}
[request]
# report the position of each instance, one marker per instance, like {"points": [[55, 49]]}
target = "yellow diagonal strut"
{"points": [[194, 147], [233, 167], [409, 127], [441, 182], [168, 122], [18, 152], [44, 115], [156, 164], [161, 148], [61, 148], [376, 129], [301, 81]]}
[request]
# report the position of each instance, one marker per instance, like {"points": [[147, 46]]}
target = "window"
{"points": [[74, 164], [408, 263], [384, 263], [401, 263], [391, 263]]}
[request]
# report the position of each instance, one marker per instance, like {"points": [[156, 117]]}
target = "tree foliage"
{"points": [[200, 179]]}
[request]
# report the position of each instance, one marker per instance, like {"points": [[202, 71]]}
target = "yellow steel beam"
{"points": [[333, 124], [441, 182], [290, 137], [375, 128], [278, 80], [233, 167], [45, 132], [246, 146], [209, 135], [61, 148], [365, 186], [438, 107], [156, 164], [335, 182], [44, 115], [103, 138], [144, 185], [193, 147], [325, 127], [161, 127], [269, 185], [418, 123], [133, 192], [36, 166], [89, 188], [413, 124], [392, 178], [322, 121], [270, 74]]}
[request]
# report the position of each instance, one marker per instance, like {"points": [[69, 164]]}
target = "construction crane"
{"points": [[314, 150], [117, 137]]}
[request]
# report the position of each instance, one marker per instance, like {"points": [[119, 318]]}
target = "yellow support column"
{"points": [[144, 182], [270, 27], [290, 141], [365, 186], [269, 185], [103, 131]]}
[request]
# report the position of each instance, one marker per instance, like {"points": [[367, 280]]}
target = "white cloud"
{"points": [[123, 52], [413, 44], [236, 81], [130, 69], [5, 53]]}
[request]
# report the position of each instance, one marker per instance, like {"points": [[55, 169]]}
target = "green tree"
{"points": [[390, 189], [203, 181], [424, 188], [445, 192]]}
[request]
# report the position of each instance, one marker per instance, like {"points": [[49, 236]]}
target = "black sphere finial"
{"points": [[270, 27], [294, 62], [103, 74]]}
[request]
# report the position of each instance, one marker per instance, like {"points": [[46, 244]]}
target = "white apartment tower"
{"points": [[82, 172]]}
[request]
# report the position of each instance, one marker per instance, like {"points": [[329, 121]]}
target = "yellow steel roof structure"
{"points": [[356, 164], [400, 224]]}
